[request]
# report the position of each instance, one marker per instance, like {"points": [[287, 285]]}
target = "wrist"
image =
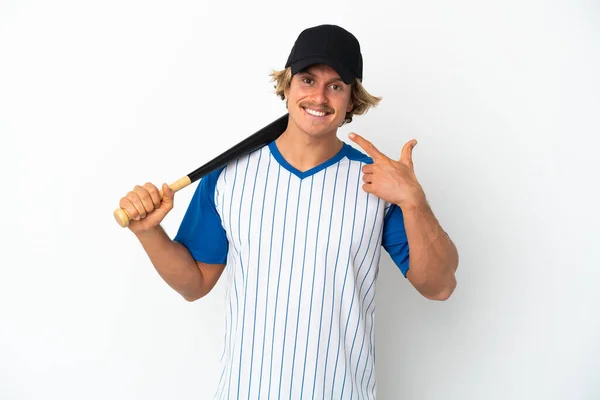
{"points": [[414, 203], [149, 233]]}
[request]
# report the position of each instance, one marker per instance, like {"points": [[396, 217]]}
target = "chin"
{"points": [[318, 129]]}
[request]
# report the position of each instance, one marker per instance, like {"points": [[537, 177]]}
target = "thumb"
{"points": [[168, 195], [406, 156]]}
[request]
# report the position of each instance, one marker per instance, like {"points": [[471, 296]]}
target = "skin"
{"points": [[308, 141]]}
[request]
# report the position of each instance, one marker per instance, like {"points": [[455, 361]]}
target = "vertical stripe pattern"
{"points": [[301, 270]]}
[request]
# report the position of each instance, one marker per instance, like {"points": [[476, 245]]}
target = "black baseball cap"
{"points": [[331, 45]]}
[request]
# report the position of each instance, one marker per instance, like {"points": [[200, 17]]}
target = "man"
{"points": [[298, 226]]}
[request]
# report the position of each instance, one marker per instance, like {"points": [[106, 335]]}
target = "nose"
{"points": [[319, 94]]}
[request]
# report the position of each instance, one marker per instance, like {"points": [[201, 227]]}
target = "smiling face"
{"points": [[318, 100]]}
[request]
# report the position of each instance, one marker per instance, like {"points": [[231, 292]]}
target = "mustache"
{"points": [[322, 107]]}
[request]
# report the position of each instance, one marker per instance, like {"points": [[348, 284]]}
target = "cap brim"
{"points": [[344, 73]]}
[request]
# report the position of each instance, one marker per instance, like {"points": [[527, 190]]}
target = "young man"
{"points": [[297, 227]]}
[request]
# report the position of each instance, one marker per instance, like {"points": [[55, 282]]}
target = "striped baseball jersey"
{"points": [[301, 251]]}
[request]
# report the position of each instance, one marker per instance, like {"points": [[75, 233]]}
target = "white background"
{"points": [[503, 97]]}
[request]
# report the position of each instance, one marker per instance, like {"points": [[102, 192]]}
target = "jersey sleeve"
{"points": [[201, 230], [394, 240]]}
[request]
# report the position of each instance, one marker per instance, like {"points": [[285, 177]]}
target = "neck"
{"points": [[304, 151]]}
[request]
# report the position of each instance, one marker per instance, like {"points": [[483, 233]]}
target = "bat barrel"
{"points": [[246, 146]]}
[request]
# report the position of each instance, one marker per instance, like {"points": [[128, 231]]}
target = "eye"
{"points": [[336, 88], [307, 80]]}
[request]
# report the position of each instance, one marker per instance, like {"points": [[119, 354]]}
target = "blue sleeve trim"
{"points": [[395, 241], [201, 230]]}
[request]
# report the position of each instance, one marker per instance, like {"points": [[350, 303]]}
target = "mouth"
{"points": [[314, 112]]}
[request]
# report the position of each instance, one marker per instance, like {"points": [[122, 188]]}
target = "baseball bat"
{"points": [[258, 139]]}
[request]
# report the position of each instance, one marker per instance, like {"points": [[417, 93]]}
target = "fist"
{"points": [[147, 206]]}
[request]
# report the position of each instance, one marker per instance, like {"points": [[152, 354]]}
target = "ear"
{"points": [[350, 106]]}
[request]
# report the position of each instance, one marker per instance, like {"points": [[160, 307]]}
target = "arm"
{"points": [[176, 266], [173, 259], [433, 258], [433, 255]]}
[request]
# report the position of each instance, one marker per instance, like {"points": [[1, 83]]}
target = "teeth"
{"points": [[315, 113]]}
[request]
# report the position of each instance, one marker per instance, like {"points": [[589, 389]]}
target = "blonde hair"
{"points": [[361, 100]]}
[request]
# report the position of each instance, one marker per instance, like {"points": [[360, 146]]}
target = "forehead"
{"points": [[322, 70]]}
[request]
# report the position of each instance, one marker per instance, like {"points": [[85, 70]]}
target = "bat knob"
{"points": [[121, 217]]}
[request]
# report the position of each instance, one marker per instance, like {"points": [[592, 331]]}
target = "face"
{"points": [[318, 100]]}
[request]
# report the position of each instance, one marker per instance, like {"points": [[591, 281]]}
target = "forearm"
{"points": [[433, 255], [174, 263]]}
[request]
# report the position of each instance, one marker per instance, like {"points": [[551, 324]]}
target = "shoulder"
{"points": [[209, 181], [246, 157], [355, 154], [227, 173]]}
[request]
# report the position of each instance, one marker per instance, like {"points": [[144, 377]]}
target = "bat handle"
{"points": [[122, 217]]}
